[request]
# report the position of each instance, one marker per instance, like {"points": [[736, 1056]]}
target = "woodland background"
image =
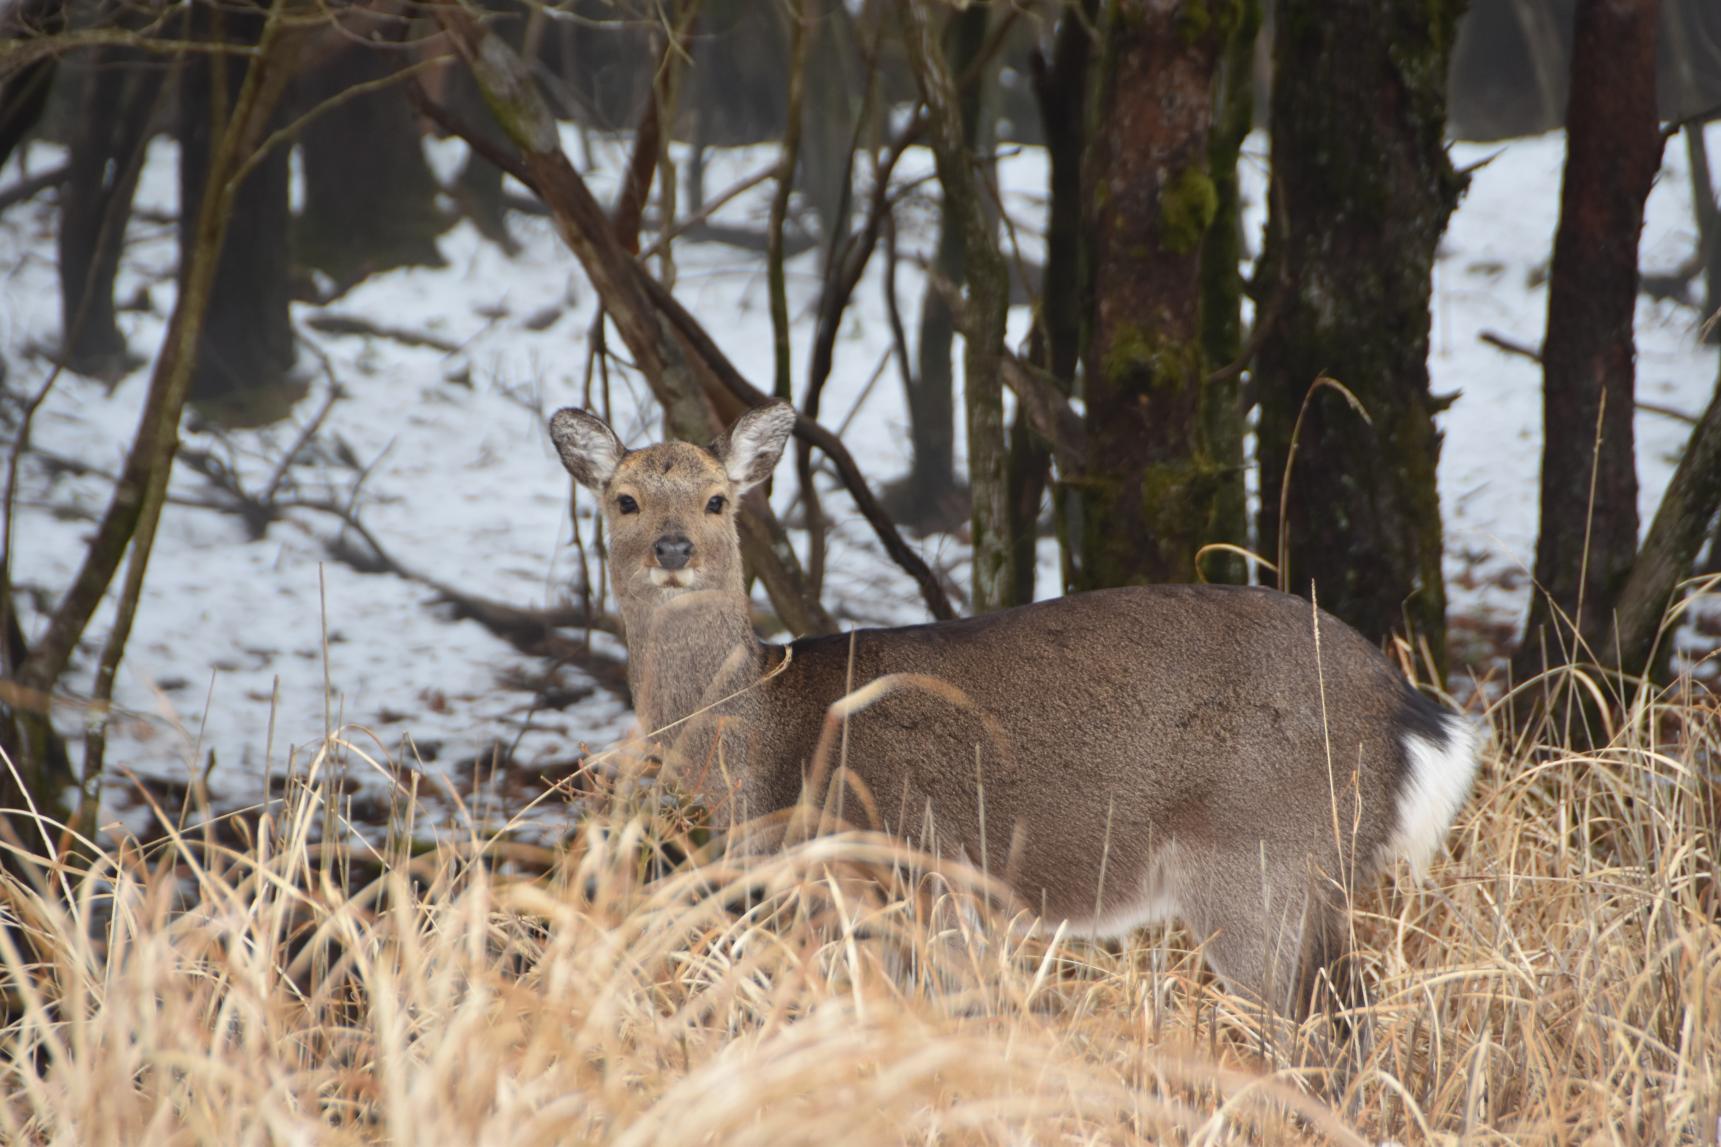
{"points": [[304, 640], [1064, 203]]}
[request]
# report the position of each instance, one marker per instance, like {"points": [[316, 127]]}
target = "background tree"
{"points": [[1588, 536], [1060, 83], [929, 495], [988, 295], [24, 91], [1150, 490], [1222, 254], [116, 108], [245, 347], [370, 198], [1359, 170], [478, 186]]}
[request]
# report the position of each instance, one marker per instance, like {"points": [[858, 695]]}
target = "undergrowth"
{"points": [[1556, 978]]}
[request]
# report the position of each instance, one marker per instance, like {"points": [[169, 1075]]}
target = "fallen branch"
{"points": [[338, 323], [1511, 346], [531, 631]]}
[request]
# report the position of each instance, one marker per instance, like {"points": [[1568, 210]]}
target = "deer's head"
{"points": [[670, 508]]}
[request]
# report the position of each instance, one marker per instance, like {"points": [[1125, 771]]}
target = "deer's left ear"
{"points": [[749, 452]]}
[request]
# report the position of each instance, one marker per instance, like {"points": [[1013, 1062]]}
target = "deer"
{"points": [[1228, 757]]}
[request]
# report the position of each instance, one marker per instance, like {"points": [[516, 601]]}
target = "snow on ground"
{"points": [[459, 480]]}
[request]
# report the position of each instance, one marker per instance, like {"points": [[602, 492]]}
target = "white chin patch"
{"points": [[672, 579]]}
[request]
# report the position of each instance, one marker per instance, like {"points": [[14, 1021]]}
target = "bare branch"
{"points": [[681, 384]]}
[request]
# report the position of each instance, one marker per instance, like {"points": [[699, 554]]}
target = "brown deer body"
{"points": [[1228, 757]]}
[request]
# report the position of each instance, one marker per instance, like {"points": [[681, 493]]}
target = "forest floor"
{"points": [[440, 451]]}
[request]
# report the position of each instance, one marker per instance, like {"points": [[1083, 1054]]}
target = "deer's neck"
{"points": [[688, 652]]}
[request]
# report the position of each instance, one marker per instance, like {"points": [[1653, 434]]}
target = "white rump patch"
{"points": [[1437, 785]]}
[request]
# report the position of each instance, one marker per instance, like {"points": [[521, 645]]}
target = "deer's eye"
{"points": [[715, 505], [626, 504]]}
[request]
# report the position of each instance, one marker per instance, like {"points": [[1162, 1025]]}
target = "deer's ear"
{"points": [[589, 448], [750, 450]]}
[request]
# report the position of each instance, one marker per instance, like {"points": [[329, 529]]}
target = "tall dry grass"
{"points": [[1557, 979]]}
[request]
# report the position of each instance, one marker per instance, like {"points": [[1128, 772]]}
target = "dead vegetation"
{"points": [[1556, 979]]}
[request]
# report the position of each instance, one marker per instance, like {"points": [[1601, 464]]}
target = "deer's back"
{"points": [[1196, 714]]}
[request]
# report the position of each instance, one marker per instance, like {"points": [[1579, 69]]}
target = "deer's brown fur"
{"points": [[1229, 757]]}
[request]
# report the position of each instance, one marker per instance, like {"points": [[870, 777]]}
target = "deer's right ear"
{"points": [[589, 448]]}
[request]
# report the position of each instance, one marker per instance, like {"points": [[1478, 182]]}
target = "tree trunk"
{"points": [[1222, 300], [1689, 99], [106, 155], [478, 186], [1670, 546], [1150, 488], [1589, 478], [24, 93], [988, 297], [1361, 192], [1708, 214], [928, 496], [828, 118], [370, 198], [1060, 92], [245, 349]]}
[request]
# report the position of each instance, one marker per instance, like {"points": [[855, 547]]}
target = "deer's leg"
{"points": [[1255, 919]]}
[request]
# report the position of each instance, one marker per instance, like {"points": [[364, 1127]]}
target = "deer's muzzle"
{"points": [[672, 551]]}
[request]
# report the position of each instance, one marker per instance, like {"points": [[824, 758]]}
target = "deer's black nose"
{"points": [[672, 551]]}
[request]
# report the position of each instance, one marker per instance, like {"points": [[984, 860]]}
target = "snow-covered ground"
{"points": [[459, 481]]}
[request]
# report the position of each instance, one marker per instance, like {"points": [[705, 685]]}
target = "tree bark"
{"points": [[988, 299], [478, 185], [245, 347], [370, 197], [928, 494], [1149, 493], [1669, 548], [1060, 92], [105, 157], [1361, 193], [828, 119], [24, 92], [1589, 479], [1222, 300]]}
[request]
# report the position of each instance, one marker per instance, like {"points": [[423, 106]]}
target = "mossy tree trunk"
{"points": [[245, 348], [105, 157], [988, 297], [1150, 489], [1362, 188], [479, 185], [1588, 535], [370, 197], [926, 496], [1222, 299]]}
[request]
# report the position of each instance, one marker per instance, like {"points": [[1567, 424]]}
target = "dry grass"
{"points": [[1558, 979]]}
